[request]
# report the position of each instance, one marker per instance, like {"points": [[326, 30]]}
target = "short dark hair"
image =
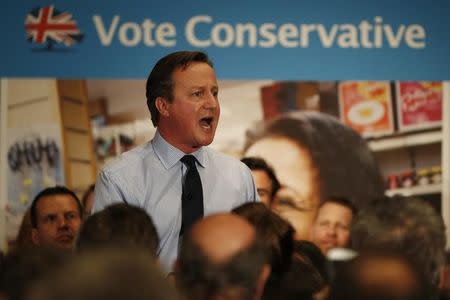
{"points": [[200, 278], [304, 278], [159, 82], [345, 164], [23, 238], [259, 164], [86, 194], [105, 274], [341, 201], [312, 255], [406, 224], [276, 233], [21, 268], [52, 191], [119, 224], [277, 236]]}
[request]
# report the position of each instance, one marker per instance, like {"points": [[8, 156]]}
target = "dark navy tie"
{"points": [[192, 196]]}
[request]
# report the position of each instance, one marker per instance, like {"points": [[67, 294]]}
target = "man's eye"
{"points": [[197, 93], [50, 219], [70, 216], [342, 226]]}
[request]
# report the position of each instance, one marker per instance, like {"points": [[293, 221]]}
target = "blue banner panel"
{"points": [[298, 40]]}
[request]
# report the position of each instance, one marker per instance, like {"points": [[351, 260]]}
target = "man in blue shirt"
{"points": [[182, 96]]}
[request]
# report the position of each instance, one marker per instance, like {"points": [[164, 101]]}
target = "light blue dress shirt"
{"points": [[151, 176]]}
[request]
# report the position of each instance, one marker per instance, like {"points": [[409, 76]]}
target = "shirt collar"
{"points": [[170, 155]]}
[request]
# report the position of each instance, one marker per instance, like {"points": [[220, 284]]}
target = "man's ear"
{"points": [[262, 279], [163, 106], [35, 236]]}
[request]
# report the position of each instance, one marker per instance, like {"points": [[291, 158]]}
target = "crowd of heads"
{"points": [[323, 229], [110, 254], [249, 253]]}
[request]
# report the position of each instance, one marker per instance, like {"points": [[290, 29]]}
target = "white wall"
{"points": [[29, 104], [235, 116], [122, 96]]}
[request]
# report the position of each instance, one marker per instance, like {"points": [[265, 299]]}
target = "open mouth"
{"points": [[206, 122]]}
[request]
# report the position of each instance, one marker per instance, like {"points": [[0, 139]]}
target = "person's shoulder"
{"points": [[234, 174], [224, 160], [131, 159]]}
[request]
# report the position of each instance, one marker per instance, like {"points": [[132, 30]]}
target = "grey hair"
{"points": [[406, 224]]}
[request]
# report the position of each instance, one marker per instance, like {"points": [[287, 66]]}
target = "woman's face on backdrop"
{"points": [[298, 199]]}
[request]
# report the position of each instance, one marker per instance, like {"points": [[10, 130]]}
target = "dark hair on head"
{"points": [[118, 225], [304, 277], [23, 238], [200, 278], [341, 201], [106, 274], [52, 191], [22, 268], [86, 194], [447, 256], [314, 256], [406, 224], [159, 82], [276, 233], [259, 164], [345, 164]]}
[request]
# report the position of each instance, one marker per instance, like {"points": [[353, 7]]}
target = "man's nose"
{"points": [[62, 222], [331, 230], [211, 100]]}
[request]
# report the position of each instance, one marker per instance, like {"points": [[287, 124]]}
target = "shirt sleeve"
{"points": [[107, 192]]}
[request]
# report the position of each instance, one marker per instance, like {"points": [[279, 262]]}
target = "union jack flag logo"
{"points": [[48, 25]]}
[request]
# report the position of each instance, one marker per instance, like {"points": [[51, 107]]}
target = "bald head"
{"points": [[221, 236], [222, 256]]}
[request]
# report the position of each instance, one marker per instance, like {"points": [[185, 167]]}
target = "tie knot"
{"points": [[188, 160]]}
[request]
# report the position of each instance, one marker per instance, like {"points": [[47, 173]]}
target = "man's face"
{"points": [[332, 226], [58, 222], [263, 186], [298, 198], [193, 114]]}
